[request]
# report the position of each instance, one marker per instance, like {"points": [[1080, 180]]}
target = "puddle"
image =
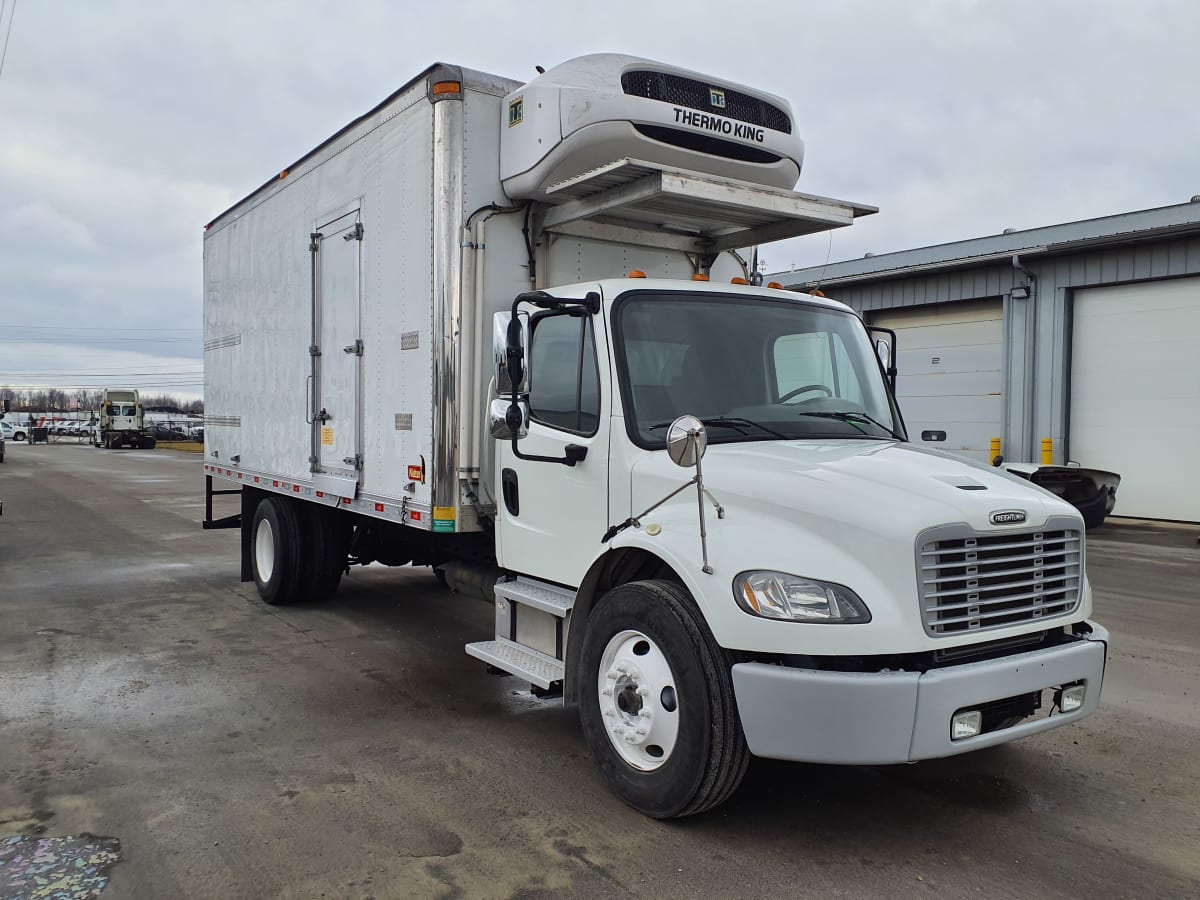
{"points": [[70, 868]]}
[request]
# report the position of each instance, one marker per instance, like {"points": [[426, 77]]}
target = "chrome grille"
{"points": [[985, 581], [680, 91]]}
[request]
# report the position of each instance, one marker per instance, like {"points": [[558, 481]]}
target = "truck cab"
{"points": [[867, 596]]}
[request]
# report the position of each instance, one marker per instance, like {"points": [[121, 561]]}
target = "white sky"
{"points": [[125, 125]]}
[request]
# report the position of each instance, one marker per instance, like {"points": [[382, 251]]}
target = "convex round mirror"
{"points": [[686, 441]]}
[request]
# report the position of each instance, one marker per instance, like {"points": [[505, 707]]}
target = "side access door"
{"points": [[337, 350], [553, 516]]}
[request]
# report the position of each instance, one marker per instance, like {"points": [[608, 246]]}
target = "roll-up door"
{"points": [[951, 372], [1135, 393]]}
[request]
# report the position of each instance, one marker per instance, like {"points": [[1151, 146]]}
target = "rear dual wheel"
{"points": [[657, 704], [297, 551]]}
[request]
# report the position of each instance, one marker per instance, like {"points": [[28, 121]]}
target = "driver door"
{"points": [[552, 516]]}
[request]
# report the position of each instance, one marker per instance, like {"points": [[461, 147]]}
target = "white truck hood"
{"points": [[881, 487], [848, 512]]}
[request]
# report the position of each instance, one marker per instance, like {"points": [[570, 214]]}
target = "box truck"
{"points": [[482, 328]]}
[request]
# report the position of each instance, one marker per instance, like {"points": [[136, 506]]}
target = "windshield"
{"points": [[751, 369]]}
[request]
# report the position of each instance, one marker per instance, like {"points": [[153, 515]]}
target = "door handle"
{"points": [[308, 400], [512, 497]]}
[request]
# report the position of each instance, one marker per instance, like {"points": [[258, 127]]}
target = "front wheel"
{"points": [[657, 704]]}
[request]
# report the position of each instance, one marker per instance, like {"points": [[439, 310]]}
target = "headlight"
{"points": [[777, 595]]}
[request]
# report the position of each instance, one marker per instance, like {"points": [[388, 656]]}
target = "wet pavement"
{"points": [[354, 750]]}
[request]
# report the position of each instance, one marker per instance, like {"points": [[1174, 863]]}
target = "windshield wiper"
{"points": [[853, 418], [735, 422]]}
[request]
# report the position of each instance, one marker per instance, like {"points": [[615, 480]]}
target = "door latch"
{"points": [[356, 234], [354, 461], [323, 416], [356, 348]]}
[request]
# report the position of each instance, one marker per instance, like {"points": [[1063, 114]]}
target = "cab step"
{"points": [[537, 668], [537, 595]]}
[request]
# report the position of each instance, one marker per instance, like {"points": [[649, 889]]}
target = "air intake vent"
{"points": [[702, 143], [694, 94]]}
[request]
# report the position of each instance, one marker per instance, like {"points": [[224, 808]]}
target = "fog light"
{"points": [[965, 724], [1071, 698]]}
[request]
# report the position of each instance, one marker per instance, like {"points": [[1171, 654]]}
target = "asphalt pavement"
{"points": [[354, 750]]}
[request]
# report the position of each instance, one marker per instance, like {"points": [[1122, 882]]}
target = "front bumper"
{"points": [[876, 718]]}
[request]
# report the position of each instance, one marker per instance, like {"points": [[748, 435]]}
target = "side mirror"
{"points": [[498, 420], [884, 352], [885, 348], [511, 368], [686, 441]]}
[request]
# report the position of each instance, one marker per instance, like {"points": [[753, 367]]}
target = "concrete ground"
{"points": [[354, 750]]}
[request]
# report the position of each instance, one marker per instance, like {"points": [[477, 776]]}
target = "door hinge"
{"points": [[314, 241], [356, 234], [314, 350], [356, 348], [355, 461]]}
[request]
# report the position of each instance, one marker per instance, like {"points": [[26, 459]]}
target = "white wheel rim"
{"points": [[638, 700], [264, 550]]}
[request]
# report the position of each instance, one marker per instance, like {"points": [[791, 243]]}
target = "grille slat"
{"points": [[975, 582], [1006, 586], [932, 579], [983, 605], [694, 94], [1033, 542], [1031, 611]]}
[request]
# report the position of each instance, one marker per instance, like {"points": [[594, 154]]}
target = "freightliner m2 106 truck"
{"points": [[504, 330]]}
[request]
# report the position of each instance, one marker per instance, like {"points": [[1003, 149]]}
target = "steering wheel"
{"points": [[808, 387]]}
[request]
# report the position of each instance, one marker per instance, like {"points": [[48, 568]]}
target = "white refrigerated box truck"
{"points": [[482, 327]]}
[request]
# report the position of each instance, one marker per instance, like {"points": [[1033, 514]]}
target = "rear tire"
{"points": [[326, 543], [275, 551], [149, 443], [651, 672]]}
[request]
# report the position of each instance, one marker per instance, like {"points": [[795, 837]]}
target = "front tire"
{"points": [[657, 704], [275, 547]]}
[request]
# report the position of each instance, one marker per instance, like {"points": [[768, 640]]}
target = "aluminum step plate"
{"points": [[554, 600], [536, 668]]}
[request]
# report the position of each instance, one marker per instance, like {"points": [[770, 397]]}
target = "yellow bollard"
{"points": [[994, 450], [1047, 451]]}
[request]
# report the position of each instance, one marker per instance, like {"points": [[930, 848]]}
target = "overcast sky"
{"points": [[125, 125]]}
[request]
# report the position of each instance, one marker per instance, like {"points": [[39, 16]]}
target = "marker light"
{"points": [[699, 277], [738, 281], [816, 292], [636, 273], [965, 724], [447, 87], [1071, 698], [775, 284]]}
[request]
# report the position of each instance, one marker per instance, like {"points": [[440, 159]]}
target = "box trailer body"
{"points": [[462, 332]]}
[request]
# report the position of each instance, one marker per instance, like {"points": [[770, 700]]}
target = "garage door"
{"points": [[951, 372], [1135, 393]]}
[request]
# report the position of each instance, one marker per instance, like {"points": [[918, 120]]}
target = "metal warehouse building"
{"points": [[1086, 333]]}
